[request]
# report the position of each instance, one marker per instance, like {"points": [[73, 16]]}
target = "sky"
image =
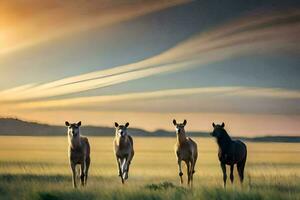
{"points": [[149, 61]]}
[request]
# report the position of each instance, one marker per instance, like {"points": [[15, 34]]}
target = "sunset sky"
{"points": [[149, 61]]}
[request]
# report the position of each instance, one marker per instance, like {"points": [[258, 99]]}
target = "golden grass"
{"points": [[154, 157], [38, 168]]}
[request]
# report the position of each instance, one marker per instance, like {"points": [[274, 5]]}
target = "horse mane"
{"points": [[224, 141]]}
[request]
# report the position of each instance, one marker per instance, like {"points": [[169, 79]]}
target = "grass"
{"points": [[37, 168]]}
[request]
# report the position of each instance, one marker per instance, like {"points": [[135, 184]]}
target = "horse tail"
{"points": [[245, 158], [241, 165]]}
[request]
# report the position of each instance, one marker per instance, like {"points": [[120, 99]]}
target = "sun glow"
{"points": [[41, 22], [4, 39]]}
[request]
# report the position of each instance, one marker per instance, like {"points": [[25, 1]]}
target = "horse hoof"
{"points": [[125, 176]]}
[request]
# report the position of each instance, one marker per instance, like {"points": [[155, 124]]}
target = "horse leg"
{"points": [[191, 175], [127, 170], [231, 173], [223, 166], [73, 167], [193, 163], [126, 167], [180, 171], [88, 161], [188, 168], [120, 162], [119, 166], [240, 168], [128, 164], [82, 172]]}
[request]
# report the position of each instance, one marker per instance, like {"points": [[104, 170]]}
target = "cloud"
{"points": [[27, 23], [221, 92], [270, 93], [259, 34]]}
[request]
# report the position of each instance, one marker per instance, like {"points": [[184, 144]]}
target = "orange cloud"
{"points": [[27, 23]]}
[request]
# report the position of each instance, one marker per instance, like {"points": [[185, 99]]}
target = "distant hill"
{"points": [[11, 126], [17, 127]]}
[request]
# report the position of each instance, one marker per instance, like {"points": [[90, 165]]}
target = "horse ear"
{"points": [[67, 123], [127, 124], [223, 125], [116, 124], [79, 123], [174, 122], [213, 124], [184, 122]]}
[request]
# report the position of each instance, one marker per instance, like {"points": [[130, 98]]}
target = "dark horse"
{"points": [[230, 152]]}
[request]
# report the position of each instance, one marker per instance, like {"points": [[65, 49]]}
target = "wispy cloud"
{"points": [[275, 93], [27, 23], [259, 34]]}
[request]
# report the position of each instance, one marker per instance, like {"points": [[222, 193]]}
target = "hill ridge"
{"points": [[18, 127]]}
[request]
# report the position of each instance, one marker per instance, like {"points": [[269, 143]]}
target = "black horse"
{"points": [[230, 152]]}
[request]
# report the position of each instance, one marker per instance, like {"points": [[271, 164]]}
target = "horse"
{"points": [[186, 150], [123, 149], [231, 152], [79, 152]]}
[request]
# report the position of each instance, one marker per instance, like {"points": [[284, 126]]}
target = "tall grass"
{"points": [[37, 168]]}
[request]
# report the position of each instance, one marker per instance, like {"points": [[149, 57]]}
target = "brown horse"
{"points": [[231, 152], [185, 150], [79, 152], [123, 149]]}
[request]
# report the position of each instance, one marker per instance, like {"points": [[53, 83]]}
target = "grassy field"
{"points": [[37, 168]]}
